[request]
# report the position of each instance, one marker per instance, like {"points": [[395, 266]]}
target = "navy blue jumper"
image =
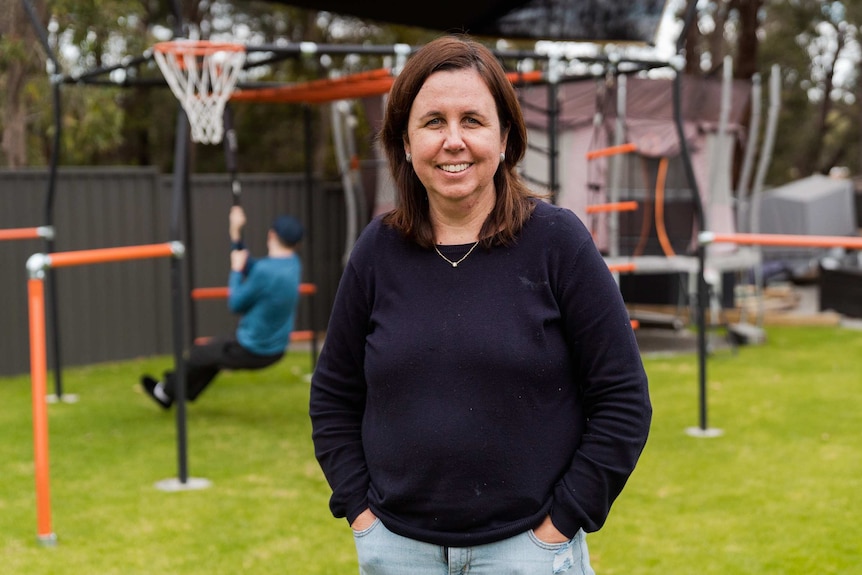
{"points": [[463, 405]]}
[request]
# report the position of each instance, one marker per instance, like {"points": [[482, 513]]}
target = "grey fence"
{"points": [[122, 310]]}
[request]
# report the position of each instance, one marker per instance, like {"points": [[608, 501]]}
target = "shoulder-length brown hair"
{"points": [[513, 205]]}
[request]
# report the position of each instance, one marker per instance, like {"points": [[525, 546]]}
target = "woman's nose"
{"points": [[454, 139]]}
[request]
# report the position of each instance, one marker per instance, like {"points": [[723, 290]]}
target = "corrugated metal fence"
{"points": [[122, 310]]}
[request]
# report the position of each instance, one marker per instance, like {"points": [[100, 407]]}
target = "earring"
{"points": [[409, 158], [502, 157]]}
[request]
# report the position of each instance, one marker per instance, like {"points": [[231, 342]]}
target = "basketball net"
{"points": [[202, 75]]}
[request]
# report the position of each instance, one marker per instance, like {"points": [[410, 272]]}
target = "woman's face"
{"points": [[454, 137]]}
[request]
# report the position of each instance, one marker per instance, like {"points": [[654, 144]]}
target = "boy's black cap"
{"points": [[288, 229]]}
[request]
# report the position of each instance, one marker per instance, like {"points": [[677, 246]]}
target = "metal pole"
{"points": [[309, 217]]}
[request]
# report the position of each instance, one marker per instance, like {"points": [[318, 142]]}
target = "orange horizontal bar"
{"points": [[304, 93], [303, 335], [97, 256], [369, 83], [221, 292], [787, 240], [624, 267], [611, 151], [19, 234], [210, 293], [296, 335], [356, 77], [524, 77], [612, 207]]}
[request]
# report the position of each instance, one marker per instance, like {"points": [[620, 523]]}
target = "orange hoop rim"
{"points": [[196, 47]]}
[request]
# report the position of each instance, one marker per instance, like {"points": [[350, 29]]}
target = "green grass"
{"points": [[776, 493]]}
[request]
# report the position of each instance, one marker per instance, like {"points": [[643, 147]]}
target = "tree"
{"points": [[816, 45], [132, 120], [19, 63]]}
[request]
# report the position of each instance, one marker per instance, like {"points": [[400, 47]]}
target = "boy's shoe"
{"points": [[149, 384]]}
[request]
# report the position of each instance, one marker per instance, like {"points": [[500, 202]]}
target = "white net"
{"points": [[202, 75]]}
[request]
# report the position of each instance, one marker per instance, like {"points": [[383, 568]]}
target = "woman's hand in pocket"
{"points": [[548, 533], [363, 521]]}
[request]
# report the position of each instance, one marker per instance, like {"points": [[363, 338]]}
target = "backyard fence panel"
{"points": [[122, 310], [22, 198]]}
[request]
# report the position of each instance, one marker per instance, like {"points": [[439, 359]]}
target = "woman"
{"points": [[480, 399]]}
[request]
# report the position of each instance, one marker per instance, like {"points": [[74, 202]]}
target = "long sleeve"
{"points": [[614, 389], [337, 403]]}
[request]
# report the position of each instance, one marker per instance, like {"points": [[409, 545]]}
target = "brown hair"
{"points": [[513, 205]]}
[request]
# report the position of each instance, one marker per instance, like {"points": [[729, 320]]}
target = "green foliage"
{"points": [[804, 38], [12, 49], [800, 36], [135, 125], [786, 469]]}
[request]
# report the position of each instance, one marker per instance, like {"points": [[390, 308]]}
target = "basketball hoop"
{"points": [[202, 75]]}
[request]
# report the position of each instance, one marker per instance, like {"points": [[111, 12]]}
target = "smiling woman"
{"points": [[477, 340]]}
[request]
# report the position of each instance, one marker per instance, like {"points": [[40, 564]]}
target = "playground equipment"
{"points": [[706, 238], [26, 233], [202, 76], [37, 266]]}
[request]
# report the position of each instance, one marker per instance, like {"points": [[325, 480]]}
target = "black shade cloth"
{"points": [[560, 20]]}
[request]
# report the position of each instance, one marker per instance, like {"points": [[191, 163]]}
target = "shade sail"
{"points": [[560, 20]]}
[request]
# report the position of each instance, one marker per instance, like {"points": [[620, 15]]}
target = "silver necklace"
{"points": [[464, 257]]}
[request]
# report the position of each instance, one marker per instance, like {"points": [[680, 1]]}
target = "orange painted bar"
{"points": [[611, 151], [303, 335], [787, 240], [39, 377], [103, 255], [369, 83], [612, 207], [19, 234], [221, 292], [625, 267], [210, 293], [524, 77], [297, 335], [297, 94]]}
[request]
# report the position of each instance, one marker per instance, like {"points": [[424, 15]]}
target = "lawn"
{"points": [[775, 493]]}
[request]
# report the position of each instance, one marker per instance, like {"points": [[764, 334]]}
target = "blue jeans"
{"points": [[382, 552]]}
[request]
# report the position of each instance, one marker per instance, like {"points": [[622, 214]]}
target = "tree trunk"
{"points": [[14, 142], [810, 159], [19, 49], [747, 43], [693, 50]]}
